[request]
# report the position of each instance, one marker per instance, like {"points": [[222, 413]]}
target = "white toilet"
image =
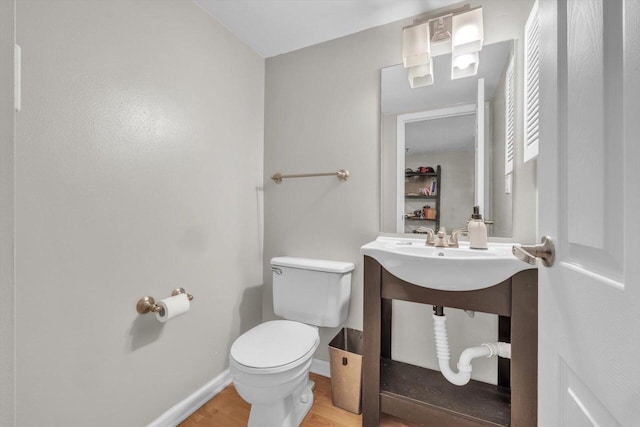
{"points": [[270, 363]]}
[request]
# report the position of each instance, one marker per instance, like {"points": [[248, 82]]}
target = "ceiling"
{"points": [[274, 27], [446, 133]]}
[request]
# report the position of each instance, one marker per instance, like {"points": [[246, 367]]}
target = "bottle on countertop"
{"points": [[477, 230]]}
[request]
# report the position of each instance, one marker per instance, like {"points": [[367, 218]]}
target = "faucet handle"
{"points": [[430, 236], [454, 235]]}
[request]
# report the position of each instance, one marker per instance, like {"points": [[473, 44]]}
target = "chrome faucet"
{"points": [[442, 240]]}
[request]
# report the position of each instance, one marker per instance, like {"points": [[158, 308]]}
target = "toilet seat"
{"points": [[274, 346]]}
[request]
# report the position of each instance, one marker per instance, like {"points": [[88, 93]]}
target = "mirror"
{"points": [[444, 146]]}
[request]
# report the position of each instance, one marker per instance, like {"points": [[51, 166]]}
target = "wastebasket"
{"points": [[345, 351]]}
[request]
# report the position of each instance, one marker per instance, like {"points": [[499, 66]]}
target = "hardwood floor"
{"points": [[227, 409]]}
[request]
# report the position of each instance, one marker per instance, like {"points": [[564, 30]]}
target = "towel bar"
{"points": [[342, 175]]}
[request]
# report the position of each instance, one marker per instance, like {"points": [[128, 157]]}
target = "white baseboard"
{"points": [[320, 367], [192, 403]]}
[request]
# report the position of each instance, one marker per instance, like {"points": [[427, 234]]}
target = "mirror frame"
{"points": [[390, 154]]}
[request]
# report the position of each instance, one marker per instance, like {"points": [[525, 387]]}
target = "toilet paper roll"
{"points": [[172, 307]]}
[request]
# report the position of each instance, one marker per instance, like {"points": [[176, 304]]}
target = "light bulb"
{"points": [[465, 34], [462, 62]]}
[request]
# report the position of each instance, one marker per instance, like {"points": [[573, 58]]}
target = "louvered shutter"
{"points": [[531, 84], [510, 118]]}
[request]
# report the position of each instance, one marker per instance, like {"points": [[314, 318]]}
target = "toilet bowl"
{"points": [[270, 369], [270, 363]]}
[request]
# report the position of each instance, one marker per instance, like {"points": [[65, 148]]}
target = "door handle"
{"points": [[528, 253]]}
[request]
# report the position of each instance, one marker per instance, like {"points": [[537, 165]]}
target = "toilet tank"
{"points": [[311, 291]]}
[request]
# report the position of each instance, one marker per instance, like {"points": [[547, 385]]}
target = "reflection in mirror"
{"points": [[448, 143], [450, 146]]}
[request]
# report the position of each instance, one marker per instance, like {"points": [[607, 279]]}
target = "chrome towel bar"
{"points": [[342, 175]]}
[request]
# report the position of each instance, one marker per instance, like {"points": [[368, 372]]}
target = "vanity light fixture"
{"points": [[468, 33], [421, 75], [464, 65], [466, 42], [459, 32], [415, 45], [441, 39], [416, 54]]}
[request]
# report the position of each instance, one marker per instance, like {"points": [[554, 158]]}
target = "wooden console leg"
{"points": [[524, 349], [371, 343]]}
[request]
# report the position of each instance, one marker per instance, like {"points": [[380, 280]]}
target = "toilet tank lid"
{"points": [[313, 264]]}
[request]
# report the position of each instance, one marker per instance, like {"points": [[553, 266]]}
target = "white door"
{"points": [[589, 195]]}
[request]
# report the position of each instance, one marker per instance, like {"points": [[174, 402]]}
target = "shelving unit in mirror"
{"points": [[422, 191]]}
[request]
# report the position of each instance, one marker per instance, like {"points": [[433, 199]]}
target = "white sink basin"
{"points": [[448, 269]]}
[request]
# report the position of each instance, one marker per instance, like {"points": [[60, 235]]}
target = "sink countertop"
{"points": [[449, 269]]}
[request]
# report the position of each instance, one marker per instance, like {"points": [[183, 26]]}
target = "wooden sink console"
{"points": [[423, 396]]}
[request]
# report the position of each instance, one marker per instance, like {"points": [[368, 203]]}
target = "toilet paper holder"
{"points": [[148, 304]]}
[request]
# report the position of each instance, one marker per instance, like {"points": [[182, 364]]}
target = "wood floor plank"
{"points": [[227, 409]]}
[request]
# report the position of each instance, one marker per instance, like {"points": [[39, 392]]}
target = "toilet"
{"points": [[270, 363]]}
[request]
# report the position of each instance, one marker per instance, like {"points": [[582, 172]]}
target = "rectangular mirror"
{"points": [[444, 145]]}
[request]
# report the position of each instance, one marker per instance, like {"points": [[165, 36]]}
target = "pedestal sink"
{"points": [[447, 269]]}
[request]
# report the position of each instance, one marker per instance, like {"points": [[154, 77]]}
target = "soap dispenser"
{"points": [[477, 230]]}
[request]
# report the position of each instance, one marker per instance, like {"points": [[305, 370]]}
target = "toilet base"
{"points": [[288, 412]]}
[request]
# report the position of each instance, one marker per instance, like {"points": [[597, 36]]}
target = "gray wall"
{"points": [[322, 113], [7, 290], [138, 169]]}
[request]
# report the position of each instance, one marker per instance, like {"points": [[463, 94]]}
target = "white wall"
{"points": [[138, 166], [322, 114]]}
